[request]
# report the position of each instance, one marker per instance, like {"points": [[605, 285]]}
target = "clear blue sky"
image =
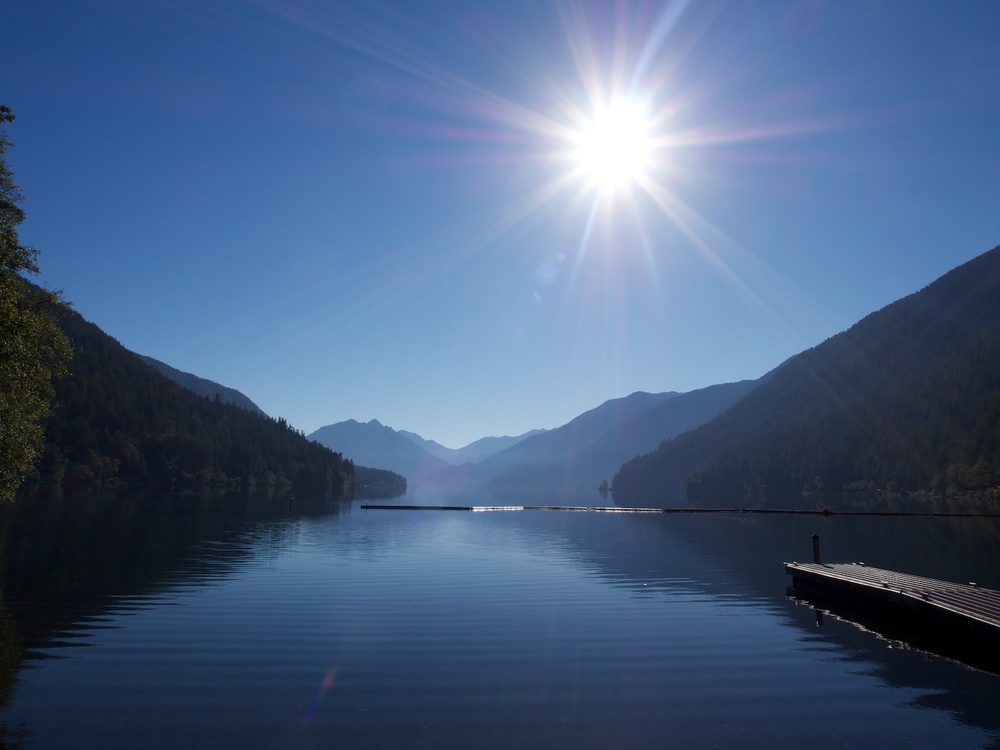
{"points": [[383, 210]]}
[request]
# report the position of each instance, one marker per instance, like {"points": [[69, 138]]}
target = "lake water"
{"points": [[185, 622]]}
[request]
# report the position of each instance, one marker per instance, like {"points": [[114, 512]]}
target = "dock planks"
{"points": [[958, 620], [976, 607]]}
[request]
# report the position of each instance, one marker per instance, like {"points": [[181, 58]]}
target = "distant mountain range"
{"points": [[908, 399], [406, 453], [472, 453], [374, 444], [576, 456], [589, 449]]}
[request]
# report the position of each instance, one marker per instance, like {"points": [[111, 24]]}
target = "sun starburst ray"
{"points": [[609, 145]]}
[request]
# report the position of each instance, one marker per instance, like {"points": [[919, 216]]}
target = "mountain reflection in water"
{"points": [[270, 626]]}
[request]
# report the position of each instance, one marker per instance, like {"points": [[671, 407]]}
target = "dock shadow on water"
{"points": [[266, 625]]}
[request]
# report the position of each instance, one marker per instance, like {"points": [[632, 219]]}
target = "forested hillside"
{"points": [[908, 399], [201, 386], [118, 422]]}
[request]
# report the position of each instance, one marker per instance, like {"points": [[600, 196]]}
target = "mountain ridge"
{"points": [[374, 444], [908, 398], [577, 455], [474, 452], [119, 423], [203, 387], [637, 433]]}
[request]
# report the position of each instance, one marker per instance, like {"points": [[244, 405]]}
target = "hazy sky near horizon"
{"points": [[391, 210]]}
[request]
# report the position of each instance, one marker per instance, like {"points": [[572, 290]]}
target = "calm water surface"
{"points": [[169, 622]]}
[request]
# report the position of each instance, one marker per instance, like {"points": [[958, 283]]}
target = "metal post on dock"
{"points": [[816, 548]]}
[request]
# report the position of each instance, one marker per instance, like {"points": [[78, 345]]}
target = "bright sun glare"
{"points": [[613, 148]]}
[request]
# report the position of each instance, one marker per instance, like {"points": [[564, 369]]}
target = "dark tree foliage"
{"points": [[908, 399], [119, 423], [32, 348], [374, 483]]}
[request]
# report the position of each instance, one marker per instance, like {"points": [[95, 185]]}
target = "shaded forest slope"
{"points": [[906, 399], [118, 422]]}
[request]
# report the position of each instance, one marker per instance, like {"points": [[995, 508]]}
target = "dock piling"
{"points": [[816, 548]]}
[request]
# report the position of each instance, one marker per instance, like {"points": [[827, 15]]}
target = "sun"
{"points": [[613, 148]]}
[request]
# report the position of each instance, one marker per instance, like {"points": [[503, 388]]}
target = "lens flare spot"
{"points": [[547, 273], [317, 701]]}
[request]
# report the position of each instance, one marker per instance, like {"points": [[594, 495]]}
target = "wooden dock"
{"points": [[958, 620]]}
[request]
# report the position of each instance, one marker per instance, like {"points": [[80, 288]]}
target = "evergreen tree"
{"points": [[33, 350]]}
